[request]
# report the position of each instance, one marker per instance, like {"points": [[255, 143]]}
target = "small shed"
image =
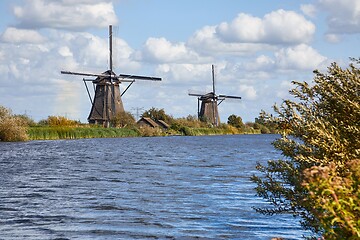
{"points": [[145, 121], [163, 124]]}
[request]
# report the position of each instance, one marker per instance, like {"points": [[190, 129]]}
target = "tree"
{"points": [[124, 119], [235, 121], [320, 127], [157, 114], [266, 125]]}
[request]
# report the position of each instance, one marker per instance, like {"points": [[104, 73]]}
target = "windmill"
{"points": [[210, 102], [107, 101]]}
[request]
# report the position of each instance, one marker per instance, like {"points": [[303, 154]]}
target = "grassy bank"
{"points": [[68, 132], [53, 133], [22, 127], [217, 131]]}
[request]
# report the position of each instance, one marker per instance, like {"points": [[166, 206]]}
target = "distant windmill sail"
{"points": [[107, 102], [209, 103]]}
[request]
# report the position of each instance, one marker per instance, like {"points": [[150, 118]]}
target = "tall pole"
{"points": [[112, 106], [213, 78], [198, 108], [110, 48], [214, 97]]}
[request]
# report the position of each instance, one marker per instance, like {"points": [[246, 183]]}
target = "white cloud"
{"points": [[276, 27], [67, 102], [300, 57], [262, 62], [309, 10], [65, 15], [246, 35], [14, 35], [163, 51], [87, 52], [65, 52], [94, 52], [332, 38], [14, 70], [123, 56], [207, 41], [244, 28], [248, 92], [343, 16], [283, 90], [197, 74]]}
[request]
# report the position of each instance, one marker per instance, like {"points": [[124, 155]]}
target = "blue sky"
{"points": [[258, 48]]}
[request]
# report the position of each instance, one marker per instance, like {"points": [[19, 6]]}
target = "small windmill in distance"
{"points": [[209, 104], [107, 101]]}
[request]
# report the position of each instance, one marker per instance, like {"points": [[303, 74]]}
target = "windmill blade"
{"points": [[213, 78], [227, 96], [122, 80], [137, 77], [85, 74], [196, 95]]}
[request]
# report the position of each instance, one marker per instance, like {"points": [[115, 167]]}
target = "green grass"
{"points": [[214, 131], [53, 133], [68, 132]]}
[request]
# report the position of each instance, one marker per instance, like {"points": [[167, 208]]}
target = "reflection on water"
{"points": [[137, 188]]}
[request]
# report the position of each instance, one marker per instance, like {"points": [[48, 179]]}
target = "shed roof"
{"points": [[163, 124], [148, 121]]}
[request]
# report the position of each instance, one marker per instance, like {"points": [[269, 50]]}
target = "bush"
{"points": [[336, 199], [320, 128], [26, 120], [58, 121], [123, 119], [236, 121], [147, 131], [12, 128], [189, 121]]}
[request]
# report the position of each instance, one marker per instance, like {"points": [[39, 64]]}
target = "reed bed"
{"points": [[216, 131], [54, 133]]}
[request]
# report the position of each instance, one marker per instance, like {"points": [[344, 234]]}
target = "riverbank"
{"points": [[56, 133]]}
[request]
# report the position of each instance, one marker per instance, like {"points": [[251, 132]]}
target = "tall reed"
{"points": [[53, 133]]}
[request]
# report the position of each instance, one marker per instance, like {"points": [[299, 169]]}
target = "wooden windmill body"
{"points": [[208, 109], [107, 102]]}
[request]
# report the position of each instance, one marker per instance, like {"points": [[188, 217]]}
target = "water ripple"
{"points": [[137, 188]]}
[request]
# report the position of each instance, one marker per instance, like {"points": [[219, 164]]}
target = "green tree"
{"points": [[266, 125], [157, 114], [320, 127], [235, 121]]}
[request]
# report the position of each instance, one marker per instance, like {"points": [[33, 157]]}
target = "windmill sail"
{"points": [[107, 102]]}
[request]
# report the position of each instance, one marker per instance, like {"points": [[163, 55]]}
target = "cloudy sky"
{"points": [[258, 47]]}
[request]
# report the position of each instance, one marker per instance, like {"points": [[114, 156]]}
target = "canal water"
{"points": [[137, 188]]}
